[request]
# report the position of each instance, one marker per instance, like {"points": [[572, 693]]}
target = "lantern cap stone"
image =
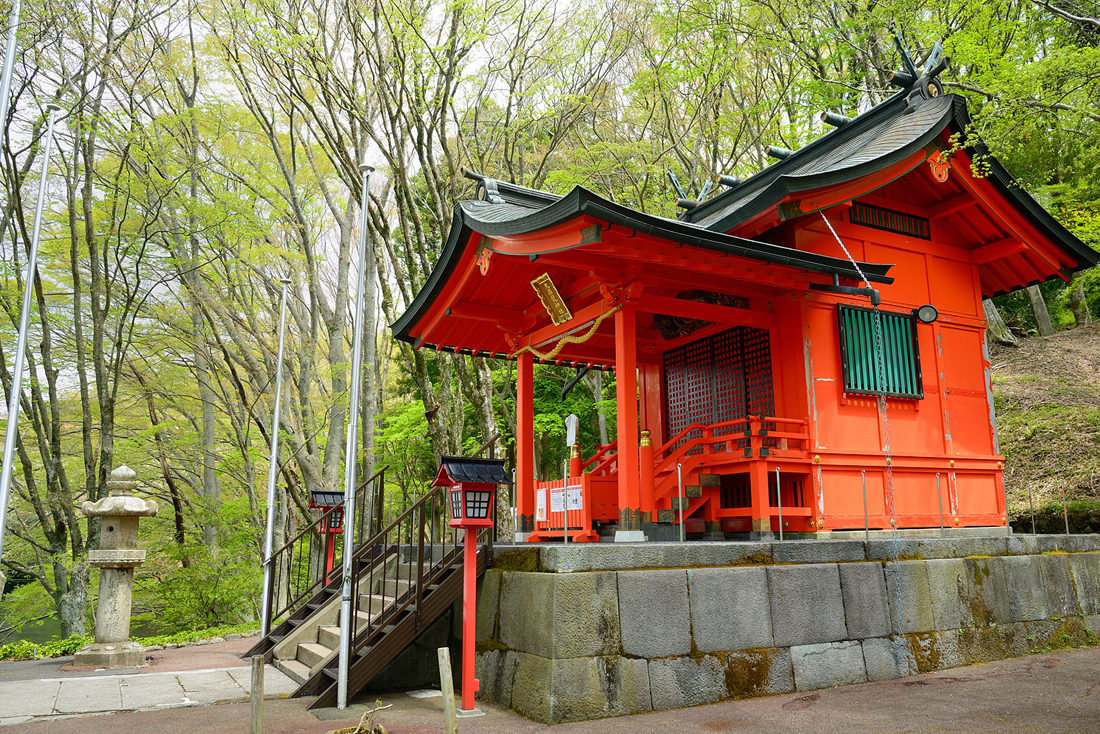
{"points": [[120, 503], [459, 469], [123, 481]]}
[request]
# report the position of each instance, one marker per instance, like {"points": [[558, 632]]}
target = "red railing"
{"points": [[714, 449], [604, 467]]}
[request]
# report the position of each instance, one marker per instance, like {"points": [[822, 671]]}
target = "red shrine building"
{"points": [[804, 350]]}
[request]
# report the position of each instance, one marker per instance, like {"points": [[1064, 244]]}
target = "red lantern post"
{"points": [[325, 501], [473, 484]]}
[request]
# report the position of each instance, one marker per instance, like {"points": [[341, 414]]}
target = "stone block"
{"points": [[1058, 592], [866, 610], [886, 658], [700, 555], [532, 687], [597, 687], [1092, 628], [1086, 578], [586, 614], [110, 655], [495, 670], [993, 546], [827, 665], [760, 672], [684, 681], [884, 549], [729, 608], [986, 597], [527, 612], [1024, 545], [1025, 588], [642, 556], [946, 588], [654, 617], [909, 584], [806, 604], [935, 650], [818, 551], [488, 602]]}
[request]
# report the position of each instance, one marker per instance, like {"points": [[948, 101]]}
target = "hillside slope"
{"points": [[1047, 396]]}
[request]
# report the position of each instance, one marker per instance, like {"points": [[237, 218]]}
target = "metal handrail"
{"points": [[286, 554], [379, 561]]}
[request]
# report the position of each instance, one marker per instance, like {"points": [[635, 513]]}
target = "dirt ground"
{"points": [[1047, 394]]}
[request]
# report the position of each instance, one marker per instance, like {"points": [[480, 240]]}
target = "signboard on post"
{"points": [[571, 424]]}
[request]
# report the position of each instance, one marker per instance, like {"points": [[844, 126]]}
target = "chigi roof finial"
{"points": [[923, 82]]}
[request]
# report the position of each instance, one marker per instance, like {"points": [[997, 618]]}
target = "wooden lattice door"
{"points": [[724, 377]]}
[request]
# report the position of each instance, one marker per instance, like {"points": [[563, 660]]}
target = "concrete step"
{"points": [[294, 670], [373, 603], [392, 587], [329, 637], [312, 653]]}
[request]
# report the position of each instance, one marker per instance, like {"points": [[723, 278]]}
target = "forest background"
{"points": [[208, 148]]}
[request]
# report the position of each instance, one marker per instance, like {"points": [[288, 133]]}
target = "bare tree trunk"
{"points": [[1039, 310], [594, 381], [995, 331], [1078, 304]]}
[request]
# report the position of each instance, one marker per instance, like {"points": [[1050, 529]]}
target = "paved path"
{"points": [[35, 689], [1052, 693]]}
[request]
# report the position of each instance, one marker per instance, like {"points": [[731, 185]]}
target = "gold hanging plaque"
{"points": [[551, 299]]}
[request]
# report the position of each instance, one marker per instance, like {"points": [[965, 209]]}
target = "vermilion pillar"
{"points": [[525, 446], [626, 402]]}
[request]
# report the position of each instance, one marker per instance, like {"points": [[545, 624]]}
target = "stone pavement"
{"points": [[170, 681]]}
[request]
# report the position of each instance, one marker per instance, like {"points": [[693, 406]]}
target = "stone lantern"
{"points": [[117, 557]]}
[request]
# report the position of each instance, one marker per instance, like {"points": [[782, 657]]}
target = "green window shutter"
{"points": [[879, 353]]}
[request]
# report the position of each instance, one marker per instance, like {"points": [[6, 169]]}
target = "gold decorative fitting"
{"points": [[952, 462], [887, 461], [551, 300], [821, 523], [893, 521], [1003, 520], [785, 524], [956, 521], [576, 452], [646, 440], [999, 465], [817, 459]]}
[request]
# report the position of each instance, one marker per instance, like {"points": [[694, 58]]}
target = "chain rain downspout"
{"points": [[884, 418]]}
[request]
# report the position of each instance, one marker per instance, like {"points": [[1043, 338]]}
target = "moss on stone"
{"points": [[756, 559], [489, 645], [923, 647], [525, 560], [748, 672]]}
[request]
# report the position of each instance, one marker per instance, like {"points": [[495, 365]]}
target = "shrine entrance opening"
{"points": [[721, 378]]}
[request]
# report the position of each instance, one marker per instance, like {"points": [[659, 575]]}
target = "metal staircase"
{"points": [[406, 575]]}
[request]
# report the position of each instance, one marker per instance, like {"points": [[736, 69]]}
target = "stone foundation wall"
{"points": [[564, 635]]}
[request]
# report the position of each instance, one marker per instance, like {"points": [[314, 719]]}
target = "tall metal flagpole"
{"points": [[21, 346], [350, 452], [9, 62], [272, 470]]}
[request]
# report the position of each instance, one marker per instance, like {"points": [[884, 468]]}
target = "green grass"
{"points": [[27, 650]]}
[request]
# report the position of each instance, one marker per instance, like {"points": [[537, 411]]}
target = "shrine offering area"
{"points": [[584, 632]]}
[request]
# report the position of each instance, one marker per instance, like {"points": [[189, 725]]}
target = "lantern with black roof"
{"points": [[331, 503], [473, 486]]}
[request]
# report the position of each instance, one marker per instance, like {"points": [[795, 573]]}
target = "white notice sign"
{"points": [[540, 510], [574, 498], [557, 499]]}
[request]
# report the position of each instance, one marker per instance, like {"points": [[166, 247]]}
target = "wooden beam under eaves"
{"points": [[705, 311]]}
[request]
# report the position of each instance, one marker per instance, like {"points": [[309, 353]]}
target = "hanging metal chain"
{"points": [[884, 419]]}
